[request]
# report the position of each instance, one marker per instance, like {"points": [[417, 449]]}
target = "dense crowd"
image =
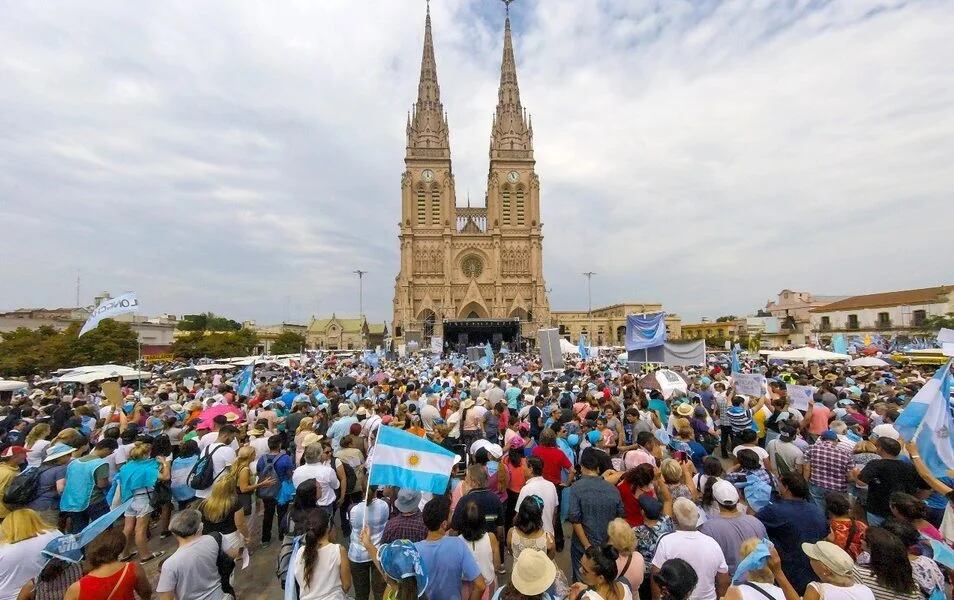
{"points": [[655, 493]]}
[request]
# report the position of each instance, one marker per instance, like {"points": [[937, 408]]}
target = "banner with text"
{"points": [[799, 395], [749, 384], [111, 307]]}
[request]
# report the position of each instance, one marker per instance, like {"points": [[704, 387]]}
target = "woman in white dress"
{"points": [[322, 570]]}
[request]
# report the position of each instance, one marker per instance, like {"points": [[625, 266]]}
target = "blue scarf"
{"points": [[134, 475]]}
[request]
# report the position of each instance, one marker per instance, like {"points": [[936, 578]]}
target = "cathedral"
{"points": [[469, 275]]}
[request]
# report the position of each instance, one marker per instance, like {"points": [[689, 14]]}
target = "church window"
{"points": [[505, 205], [435, 206], [472, 266], [520, 207], [421, 208]]}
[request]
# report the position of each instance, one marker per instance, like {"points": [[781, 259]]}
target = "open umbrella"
{"points": [[666, 381], [344, 383], [868, 361], [515, 370], [8, 385], [379, 377], [206, 416]]}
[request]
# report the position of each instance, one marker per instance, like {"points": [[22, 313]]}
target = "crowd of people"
{"points": [[582, 483]]}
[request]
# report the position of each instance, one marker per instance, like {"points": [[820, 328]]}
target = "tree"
{"points": [[200, 344], [111, 341], [937, 322], [207, 322], [727, 318], [34, 351], [288, 342]]}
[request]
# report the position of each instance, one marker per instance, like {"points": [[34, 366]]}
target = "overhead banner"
{"points": [[551, 355], [109, 308], [692, 354], [645, 331]]}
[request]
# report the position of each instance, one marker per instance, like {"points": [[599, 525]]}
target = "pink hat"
{"points": [[517, 443], [386, 419]]}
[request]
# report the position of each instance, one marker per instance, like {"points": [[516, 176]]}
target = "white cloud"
{"points": [[246, 158]]}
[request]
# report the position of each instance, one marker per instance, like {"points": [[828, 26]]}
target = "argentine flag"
{"points": [[405, 460], [581, 348], [927, 421], [246, 382]]}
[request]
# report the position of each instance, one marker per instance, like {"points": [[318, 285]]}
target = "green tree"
{"points": [[726, 319], [207, 322], [937, 322], [38, 351], [199, 344], [288, 342], [111, 341]]}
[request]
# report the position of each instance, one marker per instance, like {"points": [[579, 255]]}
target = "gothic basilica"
{"points": [[469, 275]]}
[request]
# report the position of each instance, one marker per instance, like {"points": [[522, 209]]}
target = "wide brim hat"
{"points": [[533, 572], [58, 451], [684, 410], [830, 555], [468, 403], [407, 500], [400, 559]]}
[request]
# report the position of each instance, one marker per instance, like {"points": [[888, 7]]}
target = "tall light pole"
{"points": [[589, 299], [360, 275]]}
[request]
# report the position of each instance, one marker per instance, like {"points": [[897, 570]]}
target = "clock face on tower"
{"points": [[427, 175], [513, 176]]}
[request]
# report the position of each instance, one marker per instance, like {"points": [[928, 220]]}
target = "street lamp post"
{"points": [[589, 300], [360, 275]]}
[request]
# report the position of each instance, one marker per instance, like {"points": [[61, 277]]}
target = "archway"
{"points": [[621, 334], [473, 310]]}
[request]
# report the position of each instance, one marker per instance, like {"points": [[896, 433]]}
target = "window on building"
{"points": [[826, 323], [421, 207], [506, 207], [884, 319], [852, 321], [919, 317], [563, 331], [435, 205], [521, 209], [397, 331], [621, 334]]}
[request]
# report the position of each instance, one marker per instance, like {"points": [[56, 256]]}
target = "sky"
{"points": [[245, 157]]}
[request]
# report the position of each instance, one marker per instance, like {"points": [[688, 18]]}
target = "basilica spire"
{"points": [[511, 137], [427, 134]]}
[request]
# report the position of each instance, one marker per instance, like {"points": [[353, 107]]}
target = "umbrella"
{"points": [[205, 418], [7, 385], [515, 370], [665, 381], [344, 383], [807, 354], [379, 377], [868, 361]]}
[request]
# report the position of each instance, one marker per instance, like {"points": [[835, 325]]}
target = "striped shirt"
{"points": [[864, 576]]}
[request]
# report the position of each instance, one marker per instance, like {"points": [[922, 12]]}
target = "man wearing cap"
{"points": [[731, 527], [11, 459], [408, 522], [699, 550]]}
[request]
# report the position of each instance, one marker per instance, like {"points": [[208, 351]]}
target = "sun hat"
{"points": [[830, 555], [468, 403], [684, 410], [725, 493], [517, 443], [685, 511], [533, 572], [407, 500], [400, 560], [57, 451]]}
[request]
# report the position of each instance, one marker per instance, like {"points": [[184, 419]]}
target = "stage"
{"points": [[461, 333]]}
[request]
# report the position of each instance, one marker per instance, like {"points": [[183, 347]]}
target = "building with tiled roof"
{"points": [[884, 313], [344, 333]]}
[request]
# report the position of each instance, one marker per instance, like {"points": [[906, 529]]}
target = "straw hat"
{"points": [[533, 572], [831, 556]]}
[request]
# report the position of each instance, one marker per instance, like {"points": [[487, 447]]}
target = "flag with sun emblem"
{"points": [[405, 460]]}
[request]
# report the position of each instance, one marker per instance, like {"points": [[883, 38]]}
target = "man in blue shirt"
{"points": [[790, 522], [447, 559]]}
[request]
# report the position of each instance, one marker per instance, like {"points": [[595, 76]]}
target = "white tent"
{"points": [[8, 385], [807, 354], [568, 348], [93, 373], [868, 361]]}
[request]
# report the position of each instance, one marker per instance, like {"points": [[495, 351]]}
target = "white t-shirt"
{"points": [[539, 486], [325, 581], [210, 438], [762, 452], [326, 477], [22, 562], [769, 588], [37, 452], [122, 453], [222, 459], [699, 550]]}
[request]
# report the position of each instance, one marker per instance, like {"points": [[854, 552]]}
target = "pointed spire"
{"points": [[510, 136], [428, 128]]}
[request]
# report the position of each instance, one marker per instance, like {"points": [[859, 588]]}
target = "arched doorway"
{"points": [[621, 335]]}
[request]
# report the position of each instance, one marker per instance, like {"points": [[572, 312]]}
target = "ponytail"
{"points": [[316, 529]]}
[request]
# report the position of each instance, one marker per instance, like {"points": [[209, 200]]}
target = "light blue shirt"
{"points": [[339, 429], [377, 514]]}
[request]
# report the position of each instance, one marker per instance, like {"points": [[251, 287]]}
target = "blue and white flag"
{"points": [[645, 331], [927, 421], [405, 460], [70, 547], [109, 308], [736, 367], [246, 381], [488, 356], [839, 344], [582, 349]]}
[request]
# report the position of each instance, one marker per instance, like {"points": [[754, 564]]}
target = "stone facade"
{"points": [[468, 262], [606, 325], [342, 333]]}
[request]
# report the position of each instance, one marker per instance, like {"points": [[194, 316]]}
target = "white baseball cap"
{"points": [[725, 493]]}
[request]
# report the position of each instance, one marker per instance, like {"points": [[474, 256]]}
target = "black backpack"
{"points": [[351, 478], [270, 492], [202, 474], [24, 488]]}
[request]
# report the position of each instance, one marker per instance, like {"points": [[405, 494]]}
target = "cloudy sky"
{"points": [[245, 157]]}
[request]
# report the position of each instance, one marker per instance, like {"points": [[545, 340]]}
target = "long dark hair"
{"points": [[317, 528], [472, 526], [712, 469], [889, 560], [529, 517]]}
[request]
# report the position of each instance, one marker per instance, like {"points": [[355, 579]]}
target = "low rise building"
{"points": [[606, 325], [901, 312], [792, 309], [344, 333], [723, 330], [267, 334]]}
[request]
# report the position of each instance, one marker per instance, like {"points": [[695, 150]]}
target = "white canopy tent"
{"points": [[86, 375], [868, 361], [9, 385], [567, 348], [807, 354]]}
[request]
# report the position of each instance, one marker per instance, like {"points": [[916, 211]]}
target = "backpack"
{"points": [[202, 474], [351, 478], [270, 492], [23, 488]]}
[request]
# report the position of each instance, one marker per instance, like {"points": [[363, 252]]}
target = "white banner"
{"points": [[107, 309], [749, 384], [799, 395], [437, 345]]}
